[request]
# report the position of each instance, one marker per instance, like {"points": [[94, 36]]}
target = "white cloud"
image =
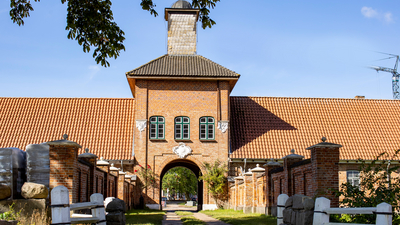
{"points": [[93, 70], [371, 13], [388, 17]]}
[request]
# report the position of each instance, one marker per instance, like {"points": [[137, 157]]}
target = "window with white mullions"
{"points": [[207, 127], [353, 177], [157, 127], [182, 128]]}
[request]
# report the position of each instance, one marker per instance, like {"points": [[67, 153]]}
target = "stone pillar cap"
{"points": [[64, 142], [102, 162], [272, 163], [293, 155], [114, 168], [87, 154], [238, 178], [121, 173], [324, 144], [248, 173], [258, 169]]}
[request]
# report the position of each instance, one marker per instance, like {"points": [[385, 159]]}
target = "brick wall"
{"points": [[170, 99], [82, 177], [316, 176]]}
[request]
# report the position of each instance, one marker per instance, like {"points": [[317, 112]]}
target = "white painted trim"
{"points": [[154, 206], [210, 206]]}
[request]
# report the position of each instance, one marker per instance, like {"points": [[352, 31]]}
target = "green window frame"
{"points": [[182, 128], [207, 128], [157, 127]]}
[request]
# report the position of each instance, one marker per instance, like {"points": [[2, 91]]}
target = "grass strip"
{"points": [[238, 217], [144, 217], [188, 219]]}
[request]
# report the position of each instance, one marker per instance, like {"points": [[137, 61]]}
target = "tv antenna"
{"points": [[395, 74]]}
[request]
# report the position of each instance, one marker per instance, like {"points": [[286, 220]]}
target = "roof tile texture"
{"points": [[186, 66], [103, 125], [269, 127]]}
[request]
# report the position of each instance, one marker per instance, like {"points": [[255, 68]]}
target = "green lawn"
{"points": [[144, 217], [238, 217]]}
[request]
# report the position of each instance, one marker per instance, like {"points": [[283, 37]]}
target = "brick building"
{"points": [[182, 114]]}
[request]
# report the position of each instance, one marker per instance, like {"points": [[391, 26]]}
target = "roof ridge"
{"points": [[369, 99], [67, 98]]}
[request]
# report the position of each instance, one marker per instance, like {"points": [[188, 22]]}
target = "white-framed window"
{"points": [[353, 177], [157, 127], [182, 128], [207, 128]]}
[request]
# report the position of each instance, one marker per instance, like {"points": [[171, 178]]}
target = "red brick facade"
{"points": [[258, 191], [170, 99], [82, 177]]}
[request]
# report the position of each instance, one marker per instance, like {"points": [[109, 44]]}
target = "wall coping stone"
{"points": [[66, 143]]}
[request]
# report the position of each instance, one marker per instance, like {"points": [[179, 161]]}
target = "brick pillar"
{"points": [[114, 171], [63, 156], [248, 192], [287, 162], [121, 186], [90, 160], [268, 189], [128, 179], [237, 196], [325, 170], [256, 173], [105, 166]]}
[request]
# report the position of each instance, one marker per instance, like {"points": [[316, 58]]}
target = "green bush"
{"points": [[376, 186], [216, 180]]}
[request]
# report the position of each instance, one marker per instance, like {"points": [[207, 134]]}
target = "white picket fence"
{"points": [[322, 210], [61, 209]]}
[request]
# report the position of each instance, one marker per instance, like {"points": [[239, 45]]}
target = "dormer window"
{"points": [[207, 124], [182, 128], [157, 127]]}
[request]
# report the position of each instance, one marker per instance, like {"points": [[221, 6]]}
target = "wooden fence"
{"points": [[322, 210], [61, 209]]}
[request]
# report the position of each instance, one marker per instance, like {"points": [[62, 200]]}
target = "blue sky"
{"points": [[280, 48]]}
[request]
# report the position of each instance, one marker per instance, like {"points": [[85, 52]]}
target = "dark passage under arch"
{"points": [[191, 166]]}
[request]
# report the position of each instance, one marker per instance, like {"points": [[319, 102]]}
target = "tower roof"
{"points": [[182, 4]]}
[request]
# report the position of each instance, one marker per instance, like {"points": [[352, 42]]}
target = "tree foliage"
{"points": [[91, 23], [216, 180], [376, 186], [180, 180]]}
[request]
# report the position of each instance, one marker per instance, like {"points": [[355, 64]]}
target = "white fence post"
{"points": [[60, 213], [384, 214], [281, 205], [98, 211], [321, 204]]}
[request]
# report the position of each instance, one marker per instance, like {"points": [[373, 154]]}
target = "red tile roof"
{"points": [[261, 127], [269, 127], [104, 125]]}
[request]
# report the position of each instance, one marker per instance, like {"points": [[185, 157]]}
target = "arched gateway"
{"points": [[191, 166], [181, 107]]}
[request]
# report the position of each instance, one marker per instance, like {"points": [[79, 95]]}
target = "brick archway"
{"points": [[189, 165]]}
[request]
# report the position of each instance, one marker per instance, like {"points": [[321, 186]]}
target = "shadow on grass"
{"points": [[144, 217]]}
